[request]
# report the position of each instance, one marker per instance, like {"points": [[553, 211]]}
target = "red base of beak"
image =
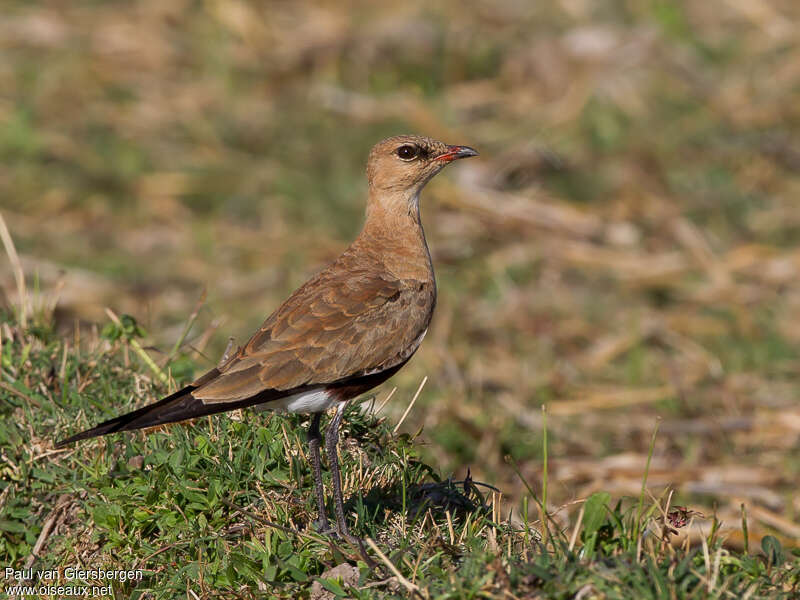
{"points": [[456, 152]]}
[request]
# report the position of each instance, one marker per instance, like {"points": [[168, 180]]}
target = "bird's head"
{"points": [[405, 163]]}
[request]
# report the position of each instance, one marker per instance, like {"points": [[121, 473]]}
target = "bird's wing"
{"points": [[331, 329]]}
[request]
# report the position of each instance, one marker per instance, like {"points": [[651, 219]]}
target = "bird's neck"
{"points": [[393, 232]]}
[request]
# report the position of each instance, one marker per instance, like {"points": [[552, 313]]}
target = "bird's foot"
{"points": [[322, 526], [343, 533], [351, 539]]}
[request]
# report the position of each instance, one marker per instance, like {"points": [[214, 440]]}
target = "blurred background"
{"points": [[624, 249]]}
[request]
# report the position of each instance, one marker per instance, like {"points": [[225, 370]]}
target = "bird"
{"points": [[343, 332]]}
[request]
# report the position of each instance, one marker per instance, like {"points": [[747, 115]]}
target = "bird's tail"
{"points": [[179, 406]]}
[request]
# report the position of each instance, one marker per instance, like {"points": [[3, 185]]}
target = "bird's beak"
{"points": [[455, 152]]}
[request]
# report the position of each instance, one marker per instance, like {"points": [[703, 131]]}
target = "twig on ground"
{"points": [[188, 327], [9, 388], [49, 524], [386, 400], [411, 587], [16, 266], [410, 405], [137, 348]]}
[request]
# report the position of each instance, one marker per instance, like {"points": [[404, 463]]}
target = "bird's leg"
{"points": [[331, 440], [314, 440]]}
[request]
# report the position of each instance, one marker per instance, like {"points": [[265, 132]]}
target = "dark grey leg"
{"points": [[331, 440], [314, 440]]}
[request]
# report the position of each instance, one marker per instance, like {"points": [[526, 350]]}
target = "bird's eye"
{"points": [[407, 152]]}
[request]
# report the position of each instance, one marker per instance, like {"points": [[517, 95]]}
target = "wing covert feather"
{"points": [[329, 330]]}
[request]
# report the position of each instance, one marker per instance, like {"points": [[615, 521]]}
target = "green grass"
{"points": [[224, 505]]}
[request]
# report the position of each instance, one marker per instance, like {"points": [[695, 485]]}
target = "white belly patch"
{"points": [[306, 402]]}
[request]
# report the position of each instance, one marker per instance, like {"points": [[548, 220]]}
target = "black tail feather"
{"points": [[179, 406], [182, 406]]}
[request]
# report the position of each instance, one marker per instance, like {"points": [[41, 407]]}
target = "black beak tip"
{"points": [[465, 152]]}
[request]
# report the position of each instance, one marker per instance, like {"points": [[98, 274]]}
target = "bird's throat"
{"points": [[393, 229]]}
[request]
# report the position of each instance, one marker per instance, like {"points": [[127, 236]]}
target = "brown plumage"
{"points": [[346, 330]]}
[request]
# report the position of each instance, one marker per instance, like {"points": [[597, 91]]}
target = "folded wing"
{"points": [[330, 330]]}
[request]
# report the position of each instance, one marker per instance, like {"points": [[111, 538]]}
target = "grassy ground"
{"points": [[625, 251], [223, 508]]}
